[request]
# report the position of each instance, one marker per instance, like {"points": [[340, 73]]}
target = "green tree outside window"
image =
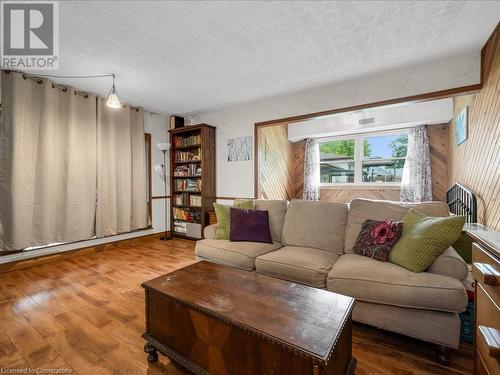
{"points": [[344, 147], [399, 150]]}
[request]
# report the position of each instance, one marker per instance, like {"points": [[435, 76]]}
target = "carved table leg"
{"points": [[152, 352], [443, 355]]}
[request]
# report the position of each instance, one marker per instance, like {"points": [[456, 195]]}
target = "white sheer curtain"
{"points": [[47, 163], [311, 170], [122, 188], [416, 185]]}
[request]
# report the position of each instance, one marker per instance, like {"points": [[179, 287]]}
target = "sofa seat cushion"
{"points": [[237, 254], [303, 265], [386, 283]]}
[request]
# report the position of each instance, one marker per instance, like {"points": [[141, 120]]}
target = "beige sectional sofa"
{"points": [[313, 245]]}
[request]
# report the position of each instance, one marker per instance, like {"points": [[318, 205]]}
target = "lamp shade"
{"points": [[163, 146], [113, 101]]}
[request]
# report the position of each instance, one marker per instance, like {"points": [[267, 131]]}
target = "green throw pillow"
{"points": [[424, 238], [223, 219]]}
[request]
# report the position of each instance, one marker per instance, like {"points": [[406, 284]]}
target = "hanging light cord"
{"points": [[78, 77], [113, 101]]}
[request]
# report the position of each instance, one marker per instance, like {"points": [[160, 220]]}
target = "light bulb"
{"points": [[113, 100]]}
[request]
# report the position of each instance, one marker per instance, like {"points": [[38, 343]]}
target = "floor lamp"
{"points": [[164, 147]]}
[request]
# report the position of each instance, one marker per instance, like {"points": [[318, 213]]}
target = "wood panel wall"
{"points": [[438, 145], [276, 160], [476, 163], [298, 165], [345, 195]]}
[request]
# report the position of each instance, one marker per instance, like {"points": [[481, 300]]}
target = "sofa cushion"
{"points": [[376, 238], [236, 254], [362, 209], [387, 283], [320, 225], [299, 264], [223, 217], [424, 239], [250, 225], [277, 211]]}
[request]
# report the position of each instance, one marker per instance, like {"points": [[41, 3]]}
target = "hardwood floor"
{"points": [[85, 314]]}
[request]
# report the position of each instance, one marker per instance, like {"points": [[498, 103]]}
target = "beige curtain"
{"points": [[122, 188], [47, 167]]}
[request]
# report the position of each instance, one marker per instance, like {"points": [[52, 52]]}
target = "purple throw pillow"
{"points": [[376, 238], [249, 225]]}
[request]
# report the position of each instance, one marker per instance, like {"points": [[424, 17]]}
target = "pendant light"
{"points": [[113, 100]]}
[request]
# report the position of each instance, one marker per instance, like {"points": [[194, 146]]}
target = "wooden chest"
{"points": [[214, 319]]}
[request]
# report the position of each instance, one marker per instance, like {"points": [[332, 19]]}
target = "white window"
{"points": [[364, 159]]}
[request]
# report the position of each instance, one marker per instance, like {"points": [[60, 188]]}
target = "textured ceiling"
{"points": [[177, 57]]}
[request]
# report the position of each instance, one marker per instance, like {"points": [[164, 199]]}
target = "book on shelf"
{"points": [[187, 170], [191, 155], [187, 214], [186, 199], [180, 226], [195, 200], [182, 141], [179, 199], [188, 184], [189, 229]]}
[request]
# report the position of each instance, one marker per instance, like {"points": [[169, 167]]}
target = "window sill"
{"points": [[367, 186]]}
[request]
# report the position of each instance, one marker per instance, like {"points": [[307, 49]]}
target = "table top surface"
{"points": [[309, 319], [487, 237]]}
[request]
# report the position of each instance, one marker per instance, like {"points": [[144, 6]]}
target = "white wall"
{"points": [[156, 125], [236, 178]]}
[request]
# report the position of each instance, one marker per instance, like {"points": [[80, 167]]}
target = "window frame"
{"points": [[358, 159]]}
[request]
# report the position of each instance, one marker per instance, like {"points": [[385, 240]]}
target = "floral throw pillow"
{"points": [[377, 238]]}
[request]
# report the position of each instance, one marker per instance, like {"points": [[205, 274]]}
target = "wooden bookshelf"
{"points": [[193, 154]]}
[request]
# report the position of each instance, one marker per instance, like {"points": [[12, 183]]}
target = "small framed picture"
{"points": [[461, 123], [239, 149]]}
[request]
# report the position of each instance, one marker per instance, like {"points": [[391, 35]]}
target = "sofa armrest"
{"points": [[209, 231], [450, 264]]}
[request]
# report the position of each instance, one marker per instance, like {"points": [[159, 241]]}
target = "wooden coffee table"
{"points": [[213, 319]]}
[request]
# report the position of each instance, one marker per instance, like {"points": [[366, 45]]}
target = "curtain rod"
{"points": [[69, 77], [80, 77], [7, 71]]}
